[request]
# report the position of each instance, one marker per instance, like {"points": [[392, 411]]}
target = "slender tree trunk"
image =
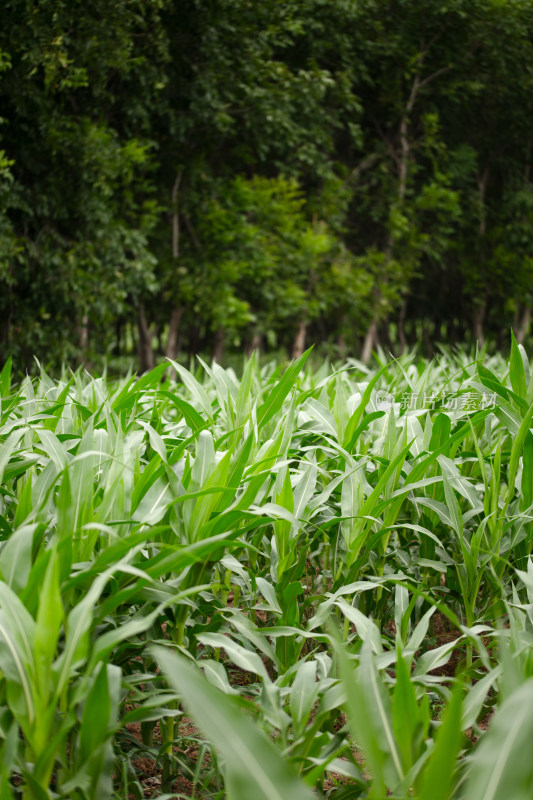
{"points": [[298, 346], [477, 323], [146, 353], [401, 328], [452, 331], [5, 329], [176, 216], [384, 334], [482, 179], [479, 310], [173, 339], [437, 327], [371, 341], [218, 347], [83, 333], [160, 345], [255, 343], [427, 339], [405, 147], [402, 162], [193, 339], [118, 337], [522, 327]]}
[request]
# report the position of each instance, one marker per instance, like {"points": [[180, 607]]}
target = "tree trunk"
{"points": [[402, 341], [427, 340], [176, 216], [341, 345], [173, 339], [371, 341], [83, 333], [452, 331], [298, 346], [479, 310], [218, 347], [384, 335], [117, 348], [522, 327], [146, 353], [255, 344], [477, 323]]}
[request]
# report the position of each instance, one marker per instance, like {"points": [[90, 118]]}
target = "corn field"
{"points": [[310, 582]]}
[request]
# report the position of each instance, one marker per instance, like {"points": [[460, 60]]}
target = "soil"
{"points": [[183, 789]]}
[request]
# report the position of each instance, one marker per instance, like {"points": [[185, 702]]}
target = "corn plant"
{"points": [[327, 569]]}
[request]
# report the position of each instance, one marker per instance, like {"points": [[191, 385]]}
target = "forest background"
{"points": [[225, 175]]}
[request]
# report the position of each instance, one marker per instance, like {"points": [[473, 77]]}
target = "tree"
{"points": [[78, 206]]}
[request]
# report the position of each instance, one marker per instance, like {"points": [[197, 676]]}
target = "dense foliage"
{"points": [[328, 572], [179, 176]]}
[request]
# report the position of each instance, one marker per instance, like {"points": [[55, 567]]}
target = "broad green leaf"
{"points": [[8, 448], [501, 765], [243, 658], [96, 715], [253, 765], [195, 388], [369, 712], [13, 663], [516, 452], [527, 471], [405, 713], [5, 379], [16, 557], [193, 419], [48, 624], [438, 776], [304, 691], [277, 395], [517, 372]]}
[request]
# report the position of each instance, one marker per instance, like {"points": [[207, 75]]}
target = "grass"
{"points": [[327, 570]]}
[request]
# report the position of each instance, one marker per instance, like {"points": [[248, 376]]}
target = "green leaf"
{"points": [[243, 658], [440, 434], [8, 448], [304, 691], [352, 430], [369, 717], [253, 765], [438, 776], [516, 452], [502, 766], [404, 712], [13, 663], [453, 506], [517, 372], [96, 714], [189, 413], [16, 557], [5, 379], [48, 623], [527, 472], [280, 391], [195, 388]]}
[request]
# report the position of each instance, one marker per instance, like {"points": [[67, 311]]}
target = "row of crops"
{"points": [[304, 583]]}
